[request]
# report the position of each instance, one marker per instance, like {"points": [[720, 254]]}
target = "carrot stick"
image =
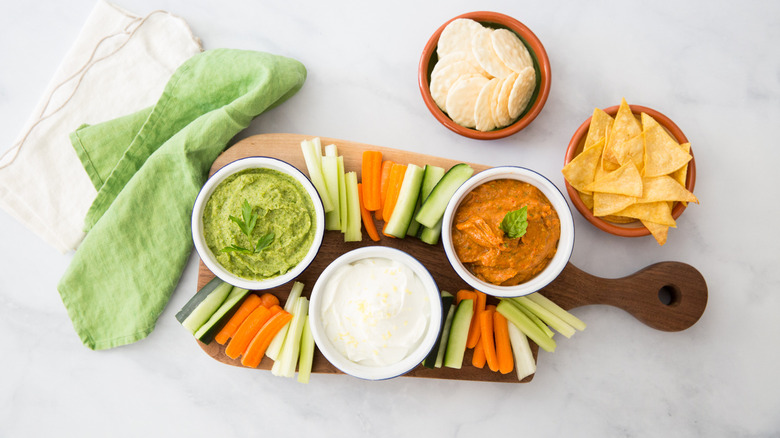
{"points": [[368, 221], [394, 182], [478, 358], [372, 175], [464, 294], [247, 331], [503, 348], [250, 303], [474, 329], [269, 300], [488, 344], [387, 165], [256, 349]]}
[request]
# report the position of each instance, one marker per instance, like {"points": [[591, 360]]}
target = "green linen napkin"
{"points": [[148, 168]]}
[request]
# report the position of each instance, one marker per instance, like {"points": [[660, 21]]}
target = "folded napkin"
{"points": [[119, 63], [147, 168]]}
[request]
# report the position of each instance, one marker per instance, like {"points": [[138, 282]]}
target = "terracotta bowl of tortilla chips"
{"points": [[625, 226], [541, 64]]}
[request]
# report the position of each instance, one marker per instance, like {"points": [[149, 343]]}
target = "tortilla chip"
{"points": [[581, 171], [656, 212], [623, 181], [587, 199], [664, 188], [681, 175], [605, 204], [663, 155], [600, 124], [625, 127], [618, 219], [658, 231], [632, 149]]}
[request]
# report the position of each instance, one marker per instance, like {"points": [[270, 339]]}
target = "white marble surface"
{"points": [[713, 67]]}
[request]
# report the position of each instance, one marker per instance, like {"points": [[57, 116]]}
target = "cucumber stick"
{"points": [[197, 299], [446, 303], [445, 336], [433, 208], [354, 220], [207, 307], [330, 170], [459, 333], [307, 354], [312, 154], [210, 328], [407, 201], [431, 235], [431, 177]]}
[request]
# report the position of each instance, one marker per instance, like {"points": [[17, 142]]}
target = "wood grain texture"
{"points": [[638, 294]]}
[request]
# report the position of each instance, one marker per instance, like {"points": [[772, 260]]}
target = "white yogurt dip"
{"points": [[375, 311]]}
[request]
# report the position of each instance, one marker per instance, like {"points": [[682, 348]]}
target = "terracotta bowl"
{"points": [[635, 228], [541, 64]]}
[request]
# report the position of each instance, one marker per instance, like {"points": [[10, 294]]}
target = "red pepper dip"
{"points": [[483, 247]]}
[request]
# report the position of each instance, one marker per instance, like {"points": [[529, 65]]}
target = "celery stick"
{"points": [[330, 170], [518, 318], [353, 234], [331, 151], [292, 343], [532, 316], [342, 195], [312, 154], [276, 343], [524, 357], [545, 315], [307, 354], [557, 311]]}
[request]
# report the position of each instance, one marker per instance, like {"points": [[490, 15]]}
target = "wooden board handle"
{"points": [[668, 296]]}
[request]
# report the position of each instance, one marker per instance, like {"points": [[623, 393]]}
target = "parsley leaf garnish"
{"points": [[247, 225], [515, 223]]}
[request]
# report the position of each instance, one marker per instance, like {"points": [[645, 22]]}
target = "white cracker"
{"points": [[457, 36], [444, 78], [482, 45], [483, 110], [454, 57], [462, 99], [511, 50], [500, 108], [521, 92]]}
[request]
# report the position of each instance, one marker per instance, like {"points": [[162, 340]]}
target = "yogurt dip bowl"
{"points": [[273, 191], [375, 313], [557, 202]]}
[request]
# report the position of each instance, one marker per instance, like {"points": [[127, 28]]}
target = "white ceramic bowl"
{"points": [[199, 239], [344, 364], [565, 244]]}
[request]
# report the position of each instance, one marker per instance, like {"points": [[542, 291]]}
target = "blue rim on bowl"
{"points": [[416, 356], [208, 188], [565, 243]]}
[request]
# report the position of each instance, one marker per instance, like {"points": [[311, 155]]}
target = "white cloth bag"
{"points": [[119, 64]]}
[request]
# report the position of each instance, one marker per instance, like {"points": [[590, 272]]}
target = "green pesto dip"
{"points": [[283, 208]]}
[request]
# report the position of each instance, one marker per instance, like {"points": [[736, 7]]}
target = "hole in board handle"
{"points": [[669, 295]]}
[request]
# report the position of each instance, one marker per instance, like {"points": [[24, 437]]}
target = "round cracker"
{"points": [[500, 108], [454, 57], [522, 90], [457, 36], [482, 46], [511, 50], [462, 99], [483, 110], [443, 80]]}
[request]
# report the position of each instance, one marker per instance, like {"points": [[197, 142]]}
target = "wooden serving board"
{"points": [[684, 288]]}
